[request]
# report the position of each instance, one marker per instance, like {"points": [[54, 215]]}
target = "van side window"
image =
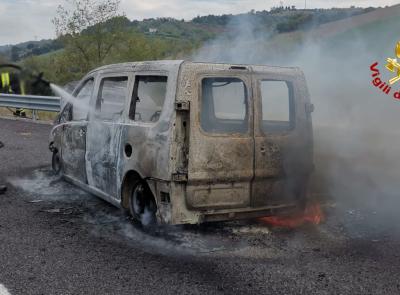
{"points": [[148, 98], [277, 105], [112, 95], [81, 107], [224, 105]]}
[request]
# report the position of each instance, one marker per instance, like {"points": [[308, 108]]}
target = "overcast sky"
{"points": [[24, 20]]}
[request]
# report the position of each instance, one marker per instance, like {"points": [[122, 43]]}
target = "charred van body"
{"points": [[180, 142]]}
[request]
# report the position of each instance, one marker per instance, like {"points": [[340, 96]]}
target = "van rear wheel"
{"points": [[142, 205]]}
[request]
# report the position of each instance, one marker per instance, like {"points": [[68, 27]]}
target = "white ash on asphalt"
{"points": [[44, 185], [55, 196], [252, 238]]}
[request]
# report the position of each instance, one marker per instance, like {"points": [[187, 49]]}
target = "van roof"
{"points": [[170, 63], [177, 63]]}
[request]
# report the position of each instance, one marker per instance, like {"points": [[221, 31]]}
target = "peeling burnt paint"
{"points": [[222, 176]]}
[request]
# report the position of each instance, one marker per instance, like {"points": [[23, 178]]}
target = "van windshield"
{"points": [[224, 105]]}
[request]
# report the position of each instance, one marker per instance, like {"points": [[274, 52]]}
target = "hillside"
{"points": [[29, 48], [358, 21], [204, 28], [281, 48]]}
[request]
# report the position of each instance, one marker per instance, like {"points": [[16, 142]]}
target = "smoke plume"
{"points": [[356, 138]]}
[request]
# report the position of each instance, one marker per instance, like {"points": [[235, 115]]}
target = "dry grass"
{"points": [[41, 115]]}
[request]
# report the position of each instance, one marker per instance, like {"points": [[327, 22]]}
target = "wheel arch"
{"points": [[131, 178]]}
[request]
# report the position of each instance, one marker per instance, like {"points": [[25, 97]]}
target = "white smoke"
{"points": [[356, 139], [3, 290], [48, 187], [66, 97]]}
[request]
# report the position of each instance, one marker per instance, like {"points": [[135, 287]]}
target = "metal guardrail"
{"points": [[30, 102]]}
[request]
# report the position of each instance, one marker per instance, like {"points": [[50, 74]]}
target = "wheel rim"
{"points": [[142, 207]]}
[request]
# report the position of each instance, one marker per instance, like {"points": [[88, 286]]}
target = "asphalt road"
{"points": [[56, 239]]}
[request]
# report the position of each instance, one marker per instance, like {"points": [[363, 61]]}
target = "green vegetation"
{"points": [[94, 33], [295, 22]]}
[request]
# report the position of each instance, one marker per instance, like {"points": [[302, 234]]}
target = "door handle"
{"points": [[262, 149], [82, 132]]}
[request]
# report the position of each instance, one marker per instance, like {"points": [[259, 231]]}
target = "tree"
{"points": [[89, 29]]}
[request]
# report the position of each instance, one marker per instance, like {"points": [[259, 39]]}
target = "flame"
{"points": [[312, 214]]}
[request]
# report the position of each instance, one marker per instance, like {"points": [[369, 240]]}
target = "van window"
{"points": [[224, 105], [81, 107], [112, 95], [276, 105], [148, 98]]}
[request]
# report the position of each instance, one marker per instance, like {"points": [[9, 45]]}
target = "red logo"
{"points": [[378, 83]]}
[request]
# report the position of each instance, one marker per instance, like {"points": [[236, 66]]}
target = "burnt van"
{"points": [[177, 142]]}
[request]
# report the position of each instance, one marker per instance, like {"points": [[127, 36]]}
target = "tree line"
{"points": [[91, 33]]}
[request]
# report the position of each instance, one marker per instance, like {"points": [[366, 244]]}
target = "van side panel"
{"points": [[150, 142]]}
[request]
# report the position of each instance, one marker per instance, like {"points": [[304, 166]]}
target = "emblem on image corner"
{"points": [[393, 65]]}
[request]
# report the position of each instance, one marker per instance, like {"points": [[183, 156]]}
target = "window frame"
{"points": [[249, 115], [97, 105], [75, 94], [132, 97], [65, 112], [292, 107]]}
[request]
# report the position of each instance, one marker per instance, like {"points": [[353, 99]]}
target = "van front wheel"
{"points": [[142, 205]]}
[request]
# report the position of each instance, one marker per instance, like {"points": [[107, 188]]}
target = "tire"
{"points": [[142, 206], [56, 163]]}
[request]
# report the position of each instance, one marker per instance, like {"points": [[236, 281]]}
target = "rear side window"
{"points": [[81, 107], [224, 105], [277, 105], [112, 95], [148, 98]]}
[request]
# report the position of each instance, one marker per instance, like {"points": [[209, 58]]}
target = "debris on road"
{"points": [[52, 210], [65, 211], [25, 133], [250, 230]]}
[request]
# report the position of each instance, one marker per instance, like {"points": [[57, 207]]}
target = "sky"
{"points": [[25, 20]]}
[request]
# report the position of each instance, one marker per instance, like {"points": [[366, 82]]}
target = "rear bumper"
{"points": [[246, 213]]}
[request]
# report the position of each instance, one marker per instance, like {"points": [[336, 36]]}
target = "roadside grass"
{"points": [[41, 115]]}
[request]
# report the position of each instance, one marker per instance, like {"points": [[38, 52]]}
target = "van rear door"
{"points": [[283, 137], [221, 152]]}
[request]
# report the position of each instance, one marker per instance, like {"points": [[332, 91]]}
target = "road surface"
{"points": [[56, 239]]}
